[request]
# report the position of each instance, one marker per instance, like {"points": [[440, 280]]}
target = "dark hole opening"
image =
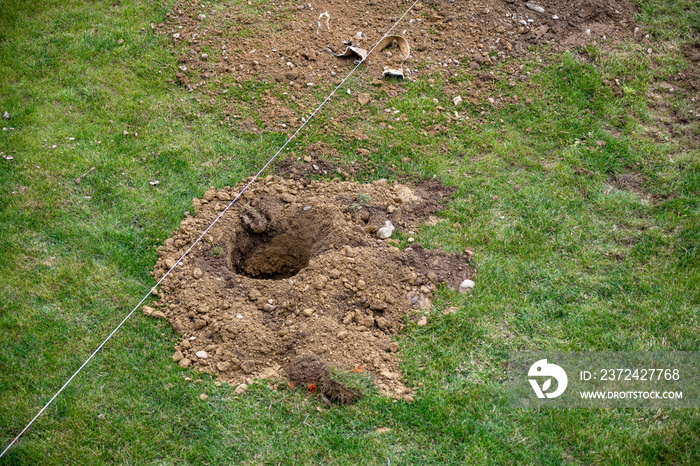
{"points": [[282, 256]]}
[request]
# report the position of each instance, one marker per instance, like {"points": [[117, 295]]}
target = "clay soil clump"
{"points": [[295, 268]]}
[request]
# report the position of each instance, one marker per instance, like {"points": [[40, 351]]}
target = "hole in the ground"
{"points": [[282, 256], [273, 250]]}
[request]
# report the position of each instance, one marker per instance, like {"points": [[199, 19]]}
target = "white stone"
{"points": [[269, 307], [467, 284], [386, 231], [202, 354], [534, 7]]}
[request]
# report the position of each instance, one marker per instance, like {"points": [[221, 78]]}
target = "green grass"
{"points": [[567, 259]]}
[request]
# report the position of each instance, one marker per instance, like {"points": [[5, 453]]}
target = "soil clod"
{"points": [[311, 369]]}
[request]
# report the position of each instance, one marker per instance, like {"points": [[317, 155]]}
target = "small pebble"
{"points": [[202, 354], [241, 389], [466, 285], [469, 253], [422, 322], [534, 7], [203, 396], [386, 231]]}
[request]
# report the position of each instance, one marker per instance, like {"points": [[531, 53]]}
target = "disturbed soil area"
{"points": [[296, 268], [291, 43]]}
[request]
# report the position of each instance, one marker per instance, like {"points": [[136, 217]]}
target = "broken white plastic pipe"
{"points": [[401, 41]]}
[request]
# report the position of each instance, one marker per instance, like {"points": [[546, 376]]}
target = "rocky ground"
{"points": [[291, 43]]}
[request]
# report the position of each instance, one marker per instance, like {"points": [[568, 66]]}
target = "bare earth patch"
{"points": [[291, 43]]}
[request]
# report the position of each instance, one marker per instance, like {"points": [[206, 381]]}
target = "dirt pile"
{"points": [[296, 267]]}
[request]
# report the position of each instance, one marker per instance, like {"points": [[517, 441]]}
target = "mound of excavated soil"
{"points": [[295, 267]]}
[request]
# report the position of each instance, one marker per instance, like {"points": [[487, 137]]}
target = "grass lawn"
{"points": [[581, 201]]}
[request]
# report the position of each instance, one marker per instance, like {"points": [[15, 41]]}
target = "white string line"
{"points": [[357, 65]]}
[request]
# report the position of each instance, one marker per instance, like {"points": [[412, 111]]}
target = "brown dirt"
{"points": [[311, 369], [295, 267], [283, 42]]}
